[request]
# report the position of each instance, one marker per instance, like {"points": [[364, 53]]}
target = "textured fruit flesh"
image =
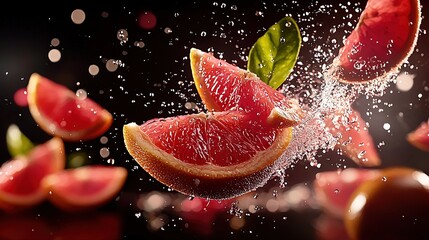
{"points": [[62, 106], [223, 139], [355, 141], [22, 176], [223, 86], [384, 37]]}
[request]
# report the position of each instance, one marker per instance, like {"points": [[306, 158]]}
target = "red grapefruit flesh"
{"points": [[84, 188], [355, 141], [223, 86], [333, 189], [214, 155], [20, 178], [419, 137], [382, 40], [59, 112]]}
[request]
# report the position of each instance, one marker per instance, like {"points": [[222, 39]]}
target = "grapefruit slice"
{"points": [[333, 189], [59, 112], [20, 178], [382, 40], [419, 137], [354, 139], [84, 188], [223, 86], [217, 155]]}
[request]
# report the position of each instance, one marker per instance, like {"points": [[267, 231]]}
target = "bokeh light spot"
{"points": [[54, 55], [20, 97], [93, 69], [78, 16], [55, 42], [147, 20]]}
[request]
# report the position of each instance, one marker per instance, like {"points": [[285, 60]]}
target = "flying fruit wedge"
{"points": [[419, 137], [59, 112], [223, 86], [383, 39], [84, 188], [216, 155], [354, 139], [20, 178]]}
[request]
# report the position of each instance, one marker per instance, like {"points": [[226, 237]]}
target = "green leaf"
{"points": [[17, 142], [274, 55]]}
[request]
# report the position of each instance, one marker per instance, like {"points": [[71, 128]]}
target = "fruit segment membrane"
{"points": [[87, 110], [225, 138]]}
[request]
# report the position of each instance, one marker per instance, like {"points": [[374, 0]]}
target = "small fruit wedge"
{"points": [[59, 112], [20, 178], [333, 189], [84, 188], [419, 137], [354, 141], [217, 155], [223, 86], [383, 39]]}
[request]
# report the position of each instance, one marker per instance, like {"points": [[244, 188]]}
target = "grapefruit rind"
{"points": [[14, 202], [99, 127], [346, 75], [205, 181], [54, 185]]}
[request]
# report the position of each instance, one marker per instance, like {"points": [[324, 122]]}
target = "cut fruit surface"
{"points": [[382, 40], [59, 112], [223, 86], [214, 155], [419, 137], [20, 178], [354, 139], [85, 187]]}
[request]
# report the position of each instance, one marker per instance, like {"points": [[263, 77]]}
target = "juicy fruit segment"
{"points": [[214, 155], [334, 189], [223, 86], [419, 137], [382, 40], [20, 178], [61, 113], [398, 199], [84, 188], [355, 141]]}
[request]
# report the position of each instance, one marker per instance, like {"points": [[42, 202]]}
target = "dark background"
{"points": [[156, 81]]}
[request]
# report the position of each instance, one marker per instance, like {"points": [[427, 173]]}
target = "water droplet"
{"points": [[384, 179], [81, 94], [122, 36], [167, 30]]}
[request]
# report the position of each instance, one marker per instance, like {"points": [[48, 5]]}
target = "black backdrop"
{"points": [[156, 81]]}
